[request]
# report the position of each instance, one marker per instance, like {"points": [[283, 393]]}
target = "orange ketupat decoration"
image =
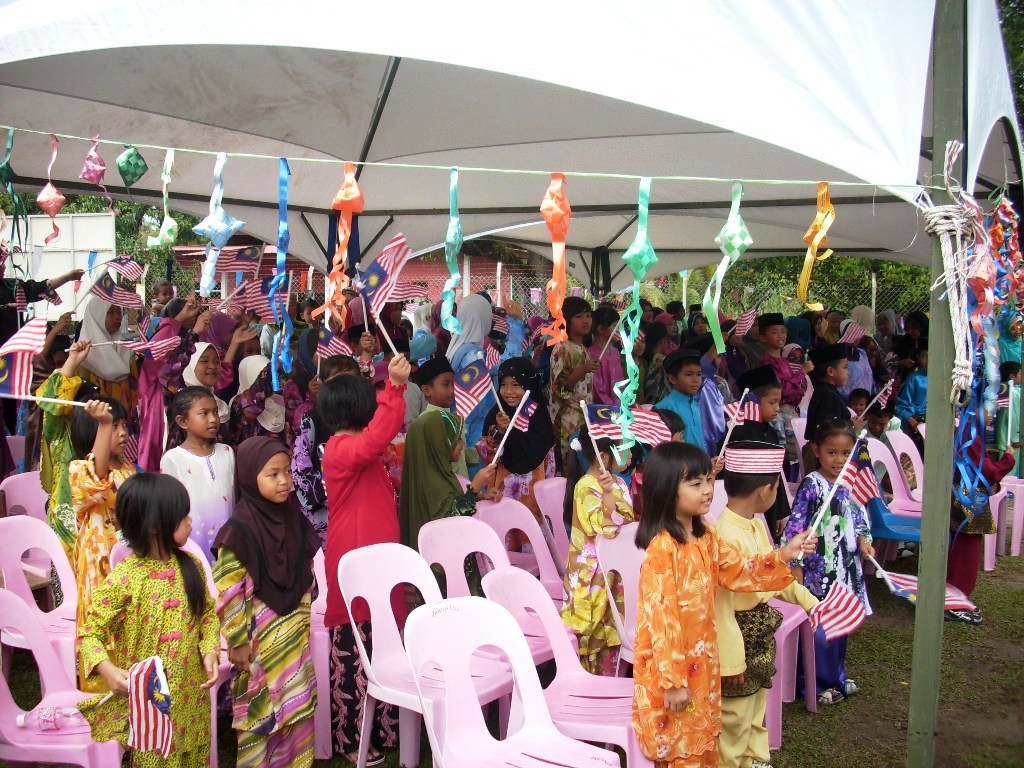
{"points": [[556, 212], [348, 201], [677, 645]]}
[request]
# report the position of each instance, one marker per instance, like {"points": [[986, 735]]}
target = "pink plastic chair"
{"points": [[902, 445], [72, 744], [902, 503], [799, 425], [921, 428], [446, 636], [584, 706], [550, 495], [320, 649], [510, 515], [449, 541], [388, 673], [622, 557], [718, 503], [19, 534], [1015, 489], [806, 400], [24, 495]]}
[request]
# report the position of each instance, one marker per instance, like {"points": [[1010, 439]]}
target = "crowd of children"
{"points": [[364, 449]]}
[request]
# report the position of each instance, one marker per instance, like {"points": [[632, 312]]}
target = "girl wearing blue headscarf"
{"points": [[1009, 337]]}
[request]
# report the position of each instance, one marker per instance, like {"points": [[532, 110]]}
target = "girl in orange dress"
{"points": [[677, 705]]}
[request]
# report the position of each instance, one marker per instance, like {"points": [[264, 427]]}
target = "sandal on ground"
{"points": [[851, 688], [831, 696], [373, 757]]}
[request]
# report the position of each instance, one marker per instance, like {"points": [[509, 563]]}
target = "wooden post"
{"points": [[948, 121]]}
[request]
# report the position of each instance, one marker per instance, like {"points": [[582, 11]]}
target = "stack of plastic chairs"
{"points": [[550, 494], [509, 515]]}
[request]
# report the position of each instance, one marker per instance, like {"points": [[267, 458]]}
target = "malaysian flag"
{"points": [[106, 289], [905, 586], [381, 277], [500, 323], [407, 291], [739, 415], [16, 358], [883, 399], [1003, 401], [853, 334], [125, 266], [53, 297], [243, 260], [255, 297], [839, 614], [20, 302], [647, 426], [149, 707], [471, 385], [492, 356], [329, 345], [746, 321], [522, 422], [158, 351], [859, 477]]}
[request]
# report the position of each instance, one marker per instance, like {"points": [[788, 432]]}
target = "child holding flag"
{"points": [[572, 376], [843, 533]]}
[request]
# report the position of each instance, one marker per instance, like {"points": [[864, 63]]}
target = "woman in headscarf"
{"points": [[863, 316], [885, 322], [390, 324], [799, 331], [112, 368], [468, 347], [817, 323], [696, 325], [264, 573], [220, 331], [421, 318], [256, 410], [1009, 336], [528, 455]]}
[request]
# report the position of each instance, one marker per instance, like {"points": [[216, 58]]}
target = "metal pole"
{"points": [[948, 120]]}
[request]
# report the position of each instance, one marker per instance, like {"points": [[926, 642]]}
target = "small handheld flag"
{"points": [[905, 585], [105, 288], [381, 277], [492, 356], [16, 358], [127, 267], [859, 477], [157, 351], [522, 422], [149, 707], [839, 614], [647, 426], [746, 321], [471, 385], [329, 345], [256, 298], [243, 260], [853, 334], [500, 323], [739, 413]]}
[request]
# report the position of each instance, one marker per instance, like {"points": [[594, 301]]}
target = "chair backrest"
{"points": [[361, 576], [799, 425], [320, 574], [523, 596], [718, 502], [510, 515], [121, 551], [550, 495], [880, 454], [17, 617], [902, 445], [921, 429], [24, 495], [805, 401], [21, 533], [447, 635], [622, 556], [449, 541], [16, 445]]}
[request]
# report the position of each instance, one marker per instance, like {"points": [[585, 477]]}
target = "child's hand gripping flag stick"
{"points": [[593, 442], [611, 338], [511, 426], [877, 398]]}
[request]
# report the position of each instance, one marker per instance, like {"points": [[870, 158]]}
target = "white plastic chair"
{"points": [[22, 533], [584, 706], [550, 496], [71, 744], [622, 557], [320, 650], [389, 676], [446, 636], [510, 515]]}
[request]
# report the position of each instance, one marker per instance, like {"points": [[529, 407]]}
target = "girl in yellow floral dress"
{"points": [[99, 434], [154, 603], [600, 506], [677, 705]]}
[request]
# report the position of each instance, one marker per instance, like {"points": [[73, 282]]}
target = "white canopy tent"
{"points": [[785, 90]]}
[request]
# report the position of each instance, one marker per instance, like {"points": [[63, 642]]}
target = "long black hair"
{"points": [[84, 427], [150, 506], [574, 469], [667, 466]]}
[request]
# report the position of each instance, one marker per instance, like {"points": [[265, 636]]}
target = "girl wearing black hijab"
{"points": [[528, 456], [265, 577]]}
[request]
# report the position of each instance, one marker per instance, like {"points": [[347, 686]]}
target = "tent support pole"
{"points": [[948, 68], [378, 110], [313, 234]]}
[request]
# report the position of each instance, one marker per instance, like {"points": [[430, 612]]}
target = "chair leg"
{"points": [[408, 737], [989, 563], [810, 668], [366, 730], [773, 714], [320, 650], [790, 654], [999, 511], [1017, 528], [213, 726]]}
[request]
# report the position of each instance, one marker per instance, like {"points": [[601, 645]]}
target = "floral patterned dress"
{"points": [[586, 611], [566, 415], [56, 452], [93, 499], [677, 645], [141, 610], [308, 477]]}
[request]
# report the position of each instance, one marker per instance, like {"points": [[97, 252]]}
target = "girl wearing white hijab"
{"points": [[256, 410], [205, 369], [475, 317]]}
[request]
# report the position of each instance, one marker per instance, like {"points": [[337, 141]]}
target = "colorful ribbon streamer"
{"points": [[816, 237], [94, 169], [639, 257], [347, 202], [49, 198], [557, 213], [7, 177], [168, 233], [218, 226], [733, 240], [452, 246], [281, 352]]}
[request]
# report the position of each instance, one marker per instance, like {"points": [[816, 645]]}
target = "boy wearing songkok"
{"points": [[745, 622], [829, 374]]}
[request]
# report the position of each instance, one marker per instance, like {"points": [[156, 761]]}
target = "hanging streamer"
{"points": [[733, 240], [168, 234], [452, 247], [50, 200], [7, 177], [218, 226], [347, 202], [816, 237], [557, 213], [639, 257], [94, 169], [281, 352]]}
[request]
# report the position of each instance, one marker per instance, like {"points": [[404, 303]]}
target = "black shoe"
{"points": [[967, 617]]}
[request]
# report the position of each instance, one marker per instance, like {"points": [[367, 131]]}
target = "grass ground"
{"points": [[981, 716]]}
